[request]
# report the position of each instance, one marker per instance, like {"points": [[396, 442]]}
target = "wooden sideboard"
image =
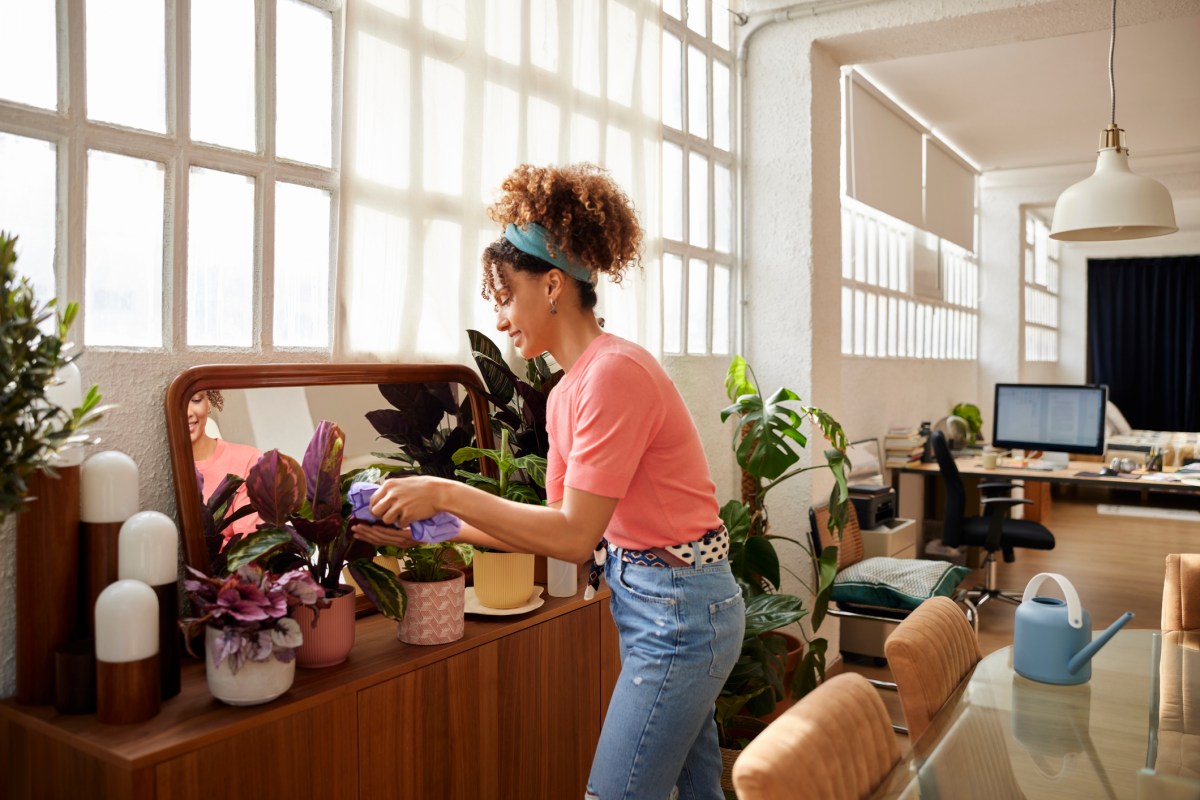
{"points": [[511, 710]]}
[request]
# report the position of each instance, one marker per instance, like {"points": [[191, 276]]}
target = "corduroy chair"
{"points": [[835, 744], [931, 651], [1181, 593]]}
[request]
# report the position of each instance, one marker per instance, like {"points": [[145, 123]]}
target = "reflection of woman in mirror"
{"points": [[628, 473], [215, 458]]}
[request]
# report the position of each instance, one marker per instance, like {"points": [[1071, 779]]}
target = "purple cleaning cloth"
{"points": [[441, 527]]}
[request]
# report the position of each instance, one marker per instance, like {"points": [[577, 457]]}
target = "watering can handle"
{"points": [[1074, 607]]}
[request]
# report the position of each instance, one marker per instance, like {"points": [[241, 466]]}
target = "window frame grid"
{"points": [[945, 329], [1045, 331], [74, 135], [688, 144]]}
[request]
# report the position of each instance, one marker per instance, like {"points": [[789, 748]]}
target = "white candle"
{"points": [[66, 392], [148, 549], [126, 623], [109, 487]]}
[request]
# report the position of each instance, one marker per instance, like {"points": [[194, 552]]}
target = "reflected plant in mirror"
{"points": [[417, 424], [306, 522]]}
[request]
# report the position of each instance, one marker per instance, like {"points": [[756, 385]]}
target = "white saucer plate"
{"points": [[473, 606]]}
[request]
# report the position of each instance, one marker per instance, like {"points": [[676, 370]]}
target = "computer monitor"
{"points": [[1055, 418]]}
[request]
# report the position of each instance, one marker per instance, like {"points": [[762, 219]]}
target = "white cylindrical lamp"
{"points": [[149, 552], [109, 484], [127, 682]]}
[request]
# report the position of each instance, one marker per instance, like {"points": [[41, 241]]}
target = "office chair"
{"points": [[993, 531]]}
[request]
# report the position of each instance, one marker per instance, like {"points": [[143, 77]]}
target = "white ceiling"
{"points": [[1043, 102]]}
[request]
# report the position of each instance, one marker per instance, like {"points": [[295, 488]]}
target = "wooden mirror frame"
{"points": [[260, 376]]}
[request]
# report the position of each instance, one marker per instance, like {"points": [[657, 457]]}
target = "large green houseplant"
{"points": [[33, 347], [768, 443]]}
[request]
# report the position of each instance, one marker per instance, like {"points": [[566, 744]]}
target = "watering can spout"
{"points": [[1085, 655]]}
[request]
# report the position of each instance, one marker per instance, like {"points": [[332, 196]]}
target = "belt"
{"points": [[713, 547]]}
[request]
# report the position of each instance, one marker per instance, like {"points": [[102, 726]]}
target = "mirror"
{"points": [[278, 406]]}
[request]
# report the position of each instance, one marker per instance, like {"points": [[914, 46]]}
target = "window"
{"points": [[191, 169], [698, 179], [1039, 254], [887, 311]]}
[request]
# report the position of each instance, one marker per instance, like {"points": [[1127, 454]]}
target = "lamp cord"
{"points": [[1112, 46]]}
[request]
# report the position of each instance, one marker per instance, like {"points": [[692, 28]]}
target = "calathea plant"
{"points": [[306, 522], [33, 347], [417, 424]]}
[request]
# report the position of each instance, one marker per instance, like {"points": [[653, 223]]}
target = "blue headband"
{"points": [[531, 240]]}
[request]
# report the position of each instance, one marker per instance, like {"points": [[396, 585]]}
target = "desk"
{"points": [[1120, 736], [922, 505]]}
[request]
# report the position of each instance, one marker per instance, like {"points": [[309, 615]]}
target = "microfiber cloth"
{"points": [[441, 527]]}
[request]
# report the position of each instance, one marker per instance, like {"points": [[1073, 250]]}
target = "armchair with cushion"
{"points": [[872, 595], [994, 530]]}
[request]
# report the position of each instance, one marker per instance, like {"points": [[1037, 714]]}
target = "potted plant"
{"points": [[435, 591], [504, 580], [768, 442], [306, 524], [250, 636]]}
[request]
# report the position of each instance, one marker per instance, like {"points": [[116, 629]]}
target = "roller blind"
{"points": [[949, 195], [895, 165], [884, 155]]}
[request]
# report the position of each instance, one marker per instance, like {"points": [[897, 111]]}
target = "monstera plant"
{"points": [[768, 442]]}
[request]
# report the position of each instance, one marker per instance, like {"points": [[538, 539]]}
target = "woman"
{"points": [[625, 465], [216, 458]]}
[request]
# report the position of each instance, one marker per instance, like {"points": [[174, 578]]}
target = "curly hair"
{"points": [[587, 217], [216, 398]]}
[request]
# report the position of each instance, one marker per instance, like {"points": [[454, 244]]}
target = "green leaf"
{"points": [[736, 381], [736, 516], [489, 359], [827, 566], [254, 546], [769, 612], [381, 586], [759, 562]]}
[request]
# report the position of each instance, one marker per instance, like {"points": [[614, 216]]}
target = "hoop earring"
{"points": [[553, 306]]}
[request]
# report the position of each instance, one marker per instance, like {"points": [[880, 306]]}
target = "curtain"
{"points": [[442, 99], [1144, 338]]}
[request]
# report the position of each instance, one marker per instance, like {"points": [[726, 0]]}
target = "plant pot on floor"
{"points": [[738, 734], [254, 683], [331, 640], [503, 580], [434, 612]]}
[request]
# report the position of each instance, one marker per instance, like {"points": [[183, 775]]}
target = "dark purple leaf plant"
{"points": [[306, 522], [251, 609]]}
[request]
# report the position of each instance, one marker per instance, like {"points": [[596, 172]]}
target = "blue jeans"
{"points": [[681, 634]]}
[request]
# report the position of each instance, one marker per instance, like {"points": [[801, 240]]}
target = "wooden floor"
{"points": [[1116, 563]]}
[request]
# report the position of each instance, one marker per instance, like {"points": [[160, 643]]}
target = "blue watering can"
{"points": [[1052, 639]]}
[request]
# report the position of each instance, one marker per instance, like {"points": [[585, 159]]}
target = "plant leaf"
{"points": [[381, 586], [275, 486], [769, 612], [323, 469], [496, 375], [254, 546]]}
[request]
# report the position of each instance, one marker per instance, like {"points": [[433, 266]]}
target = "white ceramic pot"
{"points": [[435, 612], [256, 682], [503, 580]]}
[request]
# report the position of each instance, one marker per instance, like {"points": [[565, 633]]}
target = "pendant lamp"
{"points": [[1114, 203]]}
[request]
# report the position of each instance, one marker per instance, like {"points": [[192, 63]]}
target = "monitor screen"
{"points": [[1060, 418]]}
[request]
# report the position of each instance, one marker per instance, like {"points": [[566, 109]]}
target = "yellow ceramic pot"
{"points": [[503, 580]]}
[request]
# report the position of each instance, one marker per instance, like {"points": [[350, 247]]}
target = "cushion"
{"points": [[896, 582]]}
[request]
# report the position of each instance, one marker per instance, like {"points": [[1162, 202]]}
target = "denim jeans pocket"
{"points": [[728, 620], [652, 584]]}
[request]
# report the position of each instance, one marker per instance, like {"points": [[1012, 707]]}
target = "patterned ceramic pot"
{"points": [[330, 641], [434, 612]]}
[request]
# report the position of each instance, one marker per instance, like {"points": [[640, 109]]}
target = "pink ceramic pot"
{"points": [[435, 611], [330, 641]]}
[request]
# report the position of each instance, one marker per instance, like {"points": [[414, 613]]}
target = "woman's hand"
{"points": [[382, 535], [404, 500]]}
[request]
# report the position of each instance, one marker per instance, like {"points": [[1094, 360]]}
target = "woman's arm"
{"points": [[383, 535], [569, 531]]}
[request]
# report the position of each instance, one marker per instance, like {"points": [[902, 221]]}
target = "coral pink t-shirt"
{"points": [[230, 458], [619, 428]]}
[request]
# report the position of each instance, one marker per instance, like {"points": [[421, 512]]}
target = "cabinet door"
{"points": [[310, 754], [515, 718]]}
